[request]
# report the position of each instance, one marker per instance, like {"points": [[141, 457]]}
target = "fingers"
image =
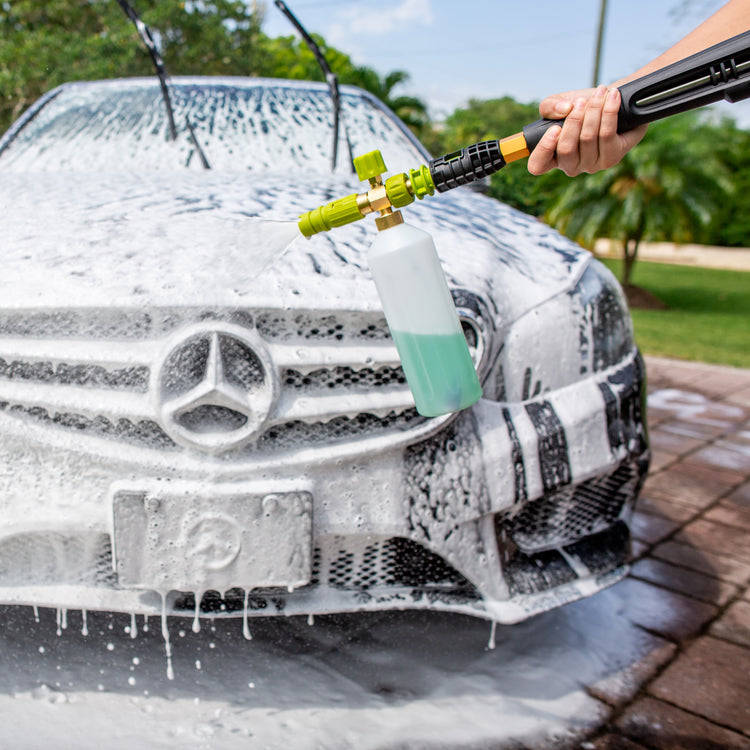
{"points": [[569, 144], [610, 147], [589, 148], [559, 105], [588, 140], [555, 107]]}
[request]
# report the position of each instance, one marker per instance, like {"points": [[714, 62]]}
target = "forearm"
{"points": [[731, 19], [588, 139]]}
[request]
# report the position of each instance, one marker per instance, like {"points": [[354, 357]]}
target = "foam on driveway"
{"points": [[630, 662]]}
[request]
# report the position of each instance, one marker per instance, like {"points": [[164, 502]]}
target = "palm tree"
{"points": [[669, 188]]}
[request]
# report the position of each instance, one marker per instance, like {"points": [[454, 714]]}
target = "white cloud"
{"points": [[376, 22]]}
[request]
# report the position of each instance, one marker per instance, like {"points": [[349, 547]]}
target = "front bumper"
{"points": [[504, 512]]}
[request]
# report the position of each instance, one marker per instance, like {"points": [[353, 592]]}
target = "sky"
{"points": [[486, 49]]}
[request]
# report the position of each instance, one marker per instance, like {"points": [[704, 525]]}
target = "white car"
{"points": [[198, 414]]}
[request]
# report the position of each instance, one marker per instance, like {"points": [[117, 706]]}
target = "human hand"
{"points": [[588, 140]]}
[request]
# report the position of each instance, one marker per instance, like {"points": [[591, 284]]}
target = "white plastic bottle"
{"points": [[422, 318]]}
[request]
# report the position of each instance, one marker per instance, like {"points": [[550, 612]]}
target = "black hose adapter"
{"points": [[467, 165]]}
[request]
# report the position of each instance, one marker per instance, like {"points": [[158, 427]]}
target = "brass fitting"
{"points": [[375, 199], [388, 220]]}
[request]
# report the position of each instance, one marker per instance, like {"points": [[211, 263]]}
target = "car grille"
{"points": [[339, 374], [365, 567], [346, 563], [573, 513], [52, 558]]}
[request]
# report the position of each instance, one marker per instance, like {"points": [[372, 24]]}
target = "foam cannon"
{"points": [[405, 266]]}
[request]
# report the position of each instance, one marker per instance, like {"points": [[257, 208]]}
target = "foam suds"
{"points": [[196, 615], [245, 626], [451, 685], [493, 631], [165, 635], [62, 620]]}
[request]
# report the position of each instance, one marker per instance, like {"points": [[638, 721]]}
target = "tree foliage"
{"points": [[688, 181], [47, 43], [671, 187], [412, 110], [732, 224]]}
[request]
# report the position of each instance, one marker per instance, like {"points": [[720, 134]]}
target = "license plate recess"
{"points": [[185, 540]]}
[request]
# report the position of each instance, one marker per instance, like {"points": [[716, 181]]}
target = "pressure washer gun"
{"points": [[403, 260], [719, 72]]}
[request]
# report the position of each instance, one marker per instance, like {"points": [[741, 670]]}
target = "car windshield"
{"points": [[263, 125]]}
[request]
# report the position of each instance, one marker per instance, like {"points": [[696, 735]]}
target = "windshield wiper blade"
{"points": [[331, 79], [161, 71], [197, 145]]}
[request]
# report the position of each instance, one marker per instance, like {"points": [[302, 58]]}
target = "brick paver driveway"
{"points": [[692, 561]]}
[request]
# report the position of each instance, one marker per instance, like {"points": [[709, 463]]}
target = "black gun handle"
{"points": [[719, 72]]}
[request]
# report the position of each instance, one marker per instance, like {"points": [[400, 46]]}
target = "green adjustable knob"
{"points": [[369, 166]]}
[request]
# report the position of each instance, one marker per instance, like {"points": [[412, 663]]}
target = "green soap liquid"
{"points": [[439, 371]]}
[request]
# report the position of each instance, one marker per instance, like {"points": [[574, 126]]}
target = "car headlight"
{"points": [[564, 340], [478, 327], [606, 312]]}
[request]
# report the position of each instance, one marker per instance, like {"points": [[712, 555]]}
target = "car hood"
{"points": [[230, 239]]}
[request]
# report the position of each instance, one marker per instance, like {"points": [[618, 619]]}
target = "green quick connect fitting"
{"points": [[398, 191]]}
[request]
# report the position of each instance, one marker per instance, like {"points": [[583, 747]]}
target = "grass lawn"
{"points": [[707, 317]]}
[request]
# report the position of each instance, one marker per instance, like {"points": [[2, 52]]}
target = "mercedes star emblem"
{"points": [[214, 387]]}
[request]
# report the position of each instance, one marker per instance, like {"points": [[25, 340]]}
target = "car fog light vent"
{"points": [[359, 565], [598, 554], [576, 512]]}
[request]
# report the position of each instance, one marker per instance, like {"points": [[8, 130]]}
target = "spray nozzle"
{"points": [[396, 191]]}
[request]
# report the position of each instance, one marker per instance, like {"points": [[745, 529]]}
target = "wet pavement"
{"points": [[691, 689], [659, 660]]}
